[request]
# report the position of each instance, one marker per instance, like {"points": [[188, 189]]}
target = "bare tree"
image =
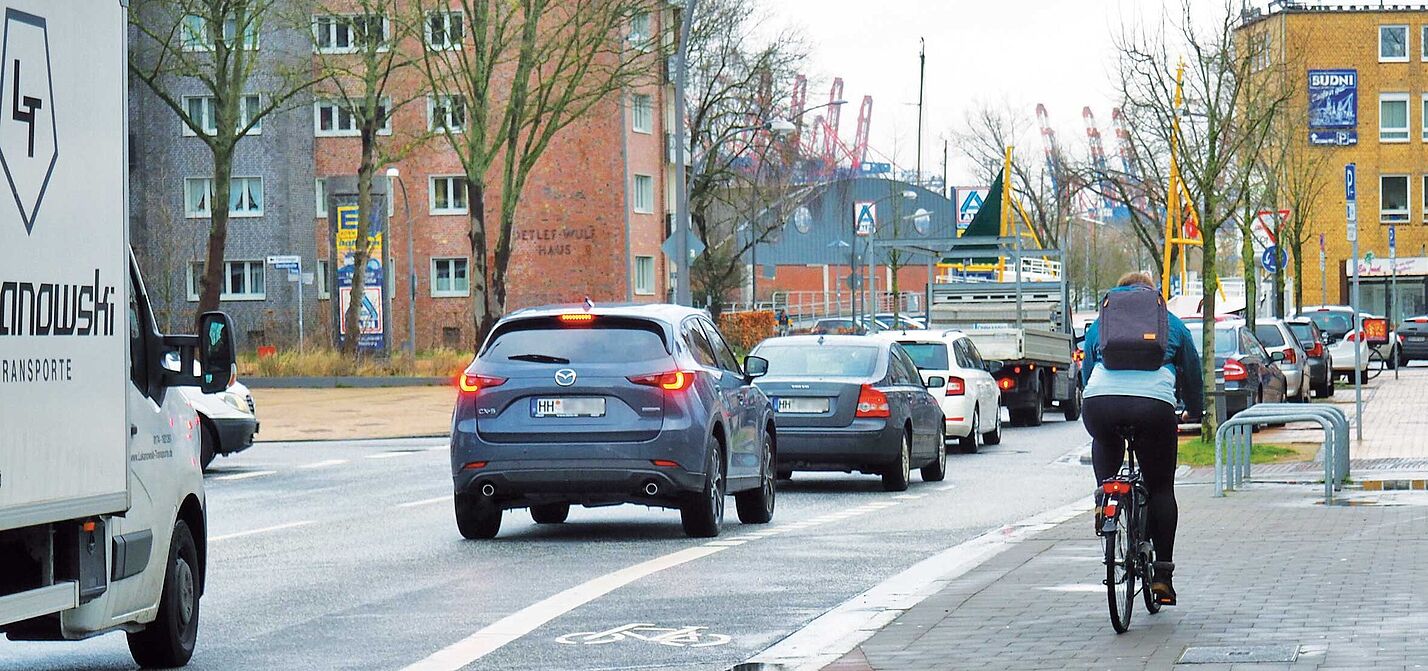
{"points": [[984, 136], [525, 71], [1228, 125], [216, 44]]}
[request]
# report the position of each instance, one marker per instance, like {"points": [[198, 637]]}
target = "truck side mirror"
{"points": [[216, 351]]}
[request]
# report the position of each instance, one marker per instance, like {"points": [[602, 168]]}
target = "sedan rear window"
{"points": [[820, 360], [927, 355], [549, 341], [1269, 335], [1226, 342], [1334, 323]]}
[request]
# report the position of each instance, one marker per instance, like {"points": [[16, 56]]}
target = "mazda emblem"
{"points": [[565, 377]]}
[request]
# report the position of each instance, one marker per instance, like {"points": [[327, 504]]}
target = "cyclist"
{"points": [[1143, 401]]}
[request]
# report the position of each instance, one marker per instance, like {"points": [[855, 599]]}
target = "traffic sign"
{"points": [[670, 247], [288, 262], [865, 217], [1351, 186], [1274, 259], [1392, 240]]}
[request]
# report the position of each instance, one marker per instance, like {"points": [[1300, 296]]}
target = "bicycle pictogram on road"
{"points": [[678, 637]]}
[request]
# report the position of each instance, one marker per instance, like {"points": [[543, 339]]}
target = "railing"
{"points": [[1032, 269], [1234, 442], [813, 305]]}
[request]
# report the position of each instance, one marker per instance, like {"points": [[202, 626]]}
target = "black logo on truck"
{"points": [[29, 141]]}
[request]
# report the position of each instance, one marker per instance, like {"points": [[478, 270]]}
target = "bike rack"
{"points": [[1235, 439]]}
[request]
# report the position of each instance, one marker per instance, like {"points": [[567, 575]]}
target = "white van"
{"points": [[102, 523], [970, 398]]}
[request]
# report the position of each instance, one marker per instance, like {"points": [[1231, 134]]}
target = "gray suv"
{"points": [[623, 404]]}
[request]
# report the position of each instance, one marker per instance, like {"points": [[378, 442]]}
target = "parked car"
{"points": [[630, 404], [1413, 338], [850, 403], [1245, 370], [837, 326], [1275, 336], [969, 396], [899, 322], [1321, 364], [1345, 334], [228, 419]]}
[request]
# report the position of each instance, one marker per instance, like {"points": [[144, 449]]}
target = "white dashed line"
{"points": [[424, 502], [724, 544], [251, 532], [389, 455], [324, 464], [245, 476]]}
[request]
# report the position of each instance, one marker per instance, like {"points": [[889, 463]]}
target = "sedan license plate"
{"points": [[1417, 338], [802, 406], [568, 407]]}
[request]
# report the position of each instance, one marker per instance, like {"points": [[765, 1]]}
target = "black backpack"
{"points": [[1134, 330]]}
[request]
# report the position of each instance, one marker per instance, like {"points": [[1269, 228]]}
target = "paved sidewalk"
{"points": [[1343, 587]]}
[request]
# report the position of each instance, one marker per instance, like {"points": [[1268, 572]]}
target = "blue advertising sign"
{"points": [[1334, 99], [870, 168], [371, 322]]}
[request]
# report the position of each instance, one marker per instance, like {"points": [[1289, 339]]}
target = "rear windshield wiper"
{"points": [[539, 358]]}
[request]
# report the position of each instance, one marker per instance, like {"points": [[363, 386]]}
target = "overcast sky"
{"points": [[1017, 52]]}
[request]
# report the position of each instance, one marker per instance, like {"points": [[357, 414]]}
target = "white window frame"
{"points": [[435, 108], [333, 21], [320, 200], [1403, 216], [451, 262], [193, 34], [195, 270], [246, 108], [1391, 136], [338, 109], [644, 283], [641, 39], [453, 181], [191, 213], [1423, 42], [636, 204], [450, 18], [1393, 59], [642, 122], [1424, 184], [262, 197], [324, 288]]}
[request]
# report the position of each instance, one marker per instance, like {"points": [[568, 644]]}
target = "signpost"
{"points": [[293, 264], [1393, 283], [1351, 192], [1323, 270]]}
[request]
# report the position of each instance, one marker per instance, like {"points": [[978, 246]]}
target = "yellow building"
{"points": [[1359, 82]]}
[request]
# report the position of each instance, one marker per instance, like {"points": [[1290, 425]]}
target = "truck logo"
{"points": [[29, 142]]}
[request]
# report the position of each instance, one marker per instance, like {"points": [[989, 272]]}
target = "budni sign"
{"points": [[1333, 107]]}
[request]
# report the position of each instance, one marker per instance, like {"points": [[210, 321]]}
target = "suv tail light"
{"points": [[677, 380], [872, 403], [956, 386], [474, 383], [1235, 371], [1290, 356]]}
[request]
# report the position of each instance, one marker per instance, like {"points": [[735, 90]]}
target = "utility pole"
{"points": [[921, 78], [683, 294]]}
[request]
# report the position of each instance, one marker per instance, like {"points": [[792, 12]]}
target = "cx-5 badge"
{"points": [[565, 377]]}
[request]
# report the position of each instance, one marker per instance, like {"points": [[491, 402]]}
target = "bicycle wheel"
{"points": [[1120, 580], [1376, 365], [1145, 558]]}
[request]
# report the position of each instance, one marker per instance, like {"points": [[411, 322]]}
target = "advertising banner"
{"points": [[969, 201], [1333, 107], [371, 325]]}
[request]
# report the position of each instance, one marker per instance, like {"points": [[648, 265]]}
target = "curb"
{"points": [[353, 382]]}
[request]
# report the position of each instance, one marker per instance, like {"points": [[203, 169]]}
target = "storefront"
{"points": [[1376, 287]]}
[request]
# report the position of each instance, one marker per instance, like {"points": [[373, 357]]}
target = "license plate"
{"points": [[567, 407], [802, 406], [1417, 338]]}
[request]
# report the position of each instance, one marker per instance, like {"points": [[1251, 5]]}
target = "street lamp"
{"points": [[396, 175]]}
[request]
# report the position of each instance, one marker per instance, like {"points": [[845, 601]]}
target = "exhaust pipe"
{"points": [[488, 490], [651, 488]]}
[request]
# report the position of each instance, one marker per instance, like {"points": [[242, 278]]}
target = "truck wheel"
{"points": [[1071, 407], [208, 444], [477, 517], [169, 640]]}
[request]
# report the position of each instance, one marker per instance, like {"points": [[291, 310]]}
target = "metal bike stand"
{"points": [[1234, 442]]}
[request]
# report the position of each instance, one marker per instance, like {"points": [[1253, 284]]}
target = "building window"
{"points": [[197, 35], [446, 112], [242, 281], [1423, 42], [347, 34], [201, 109], [644, 194], [1425, 198], [1393, 117], [643, 107], [1393, 199], [324, 286], [245, 197], [321, 189], [332, 118], [644, 275], [1262, 45], [448, 195], [444, 30], [1393, 44], [640, 30], [449, 277]]}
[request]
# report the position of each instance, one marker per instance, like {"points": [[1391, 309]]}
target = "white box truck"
{"points": [[102, 523]]}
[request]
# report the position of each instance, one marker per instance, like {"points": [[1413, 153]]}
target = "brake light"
{"points": [[1290, 356], [1006, 383], [474, 383], [956, 386], [1116, 487], [1419, 320], [1235, 371], [1317, 350], [677, 380], [872, 403], [577, 318]]}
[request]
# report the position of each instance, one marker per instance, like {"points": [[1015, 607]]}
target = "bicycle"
{"points": [[1130, 553]]}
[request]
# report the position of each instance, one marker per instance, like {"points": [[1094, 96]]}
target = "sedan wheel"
{"points": [[937, 470], [968, 443], [895, 479], [994, 437]]}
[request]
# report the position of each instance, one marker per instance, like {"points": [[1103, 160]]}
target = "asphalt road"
{"points": [[346, 556]]}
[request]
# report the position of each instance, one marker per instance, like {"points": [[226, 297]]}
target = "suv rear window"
{"points": [[927, 355], [1269, 335], [820, 360], [547, 340]]}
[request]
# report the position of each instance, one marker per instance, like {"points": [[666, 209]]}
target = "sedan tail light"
{"points": [[1355, 337], [677, 380], [1317, 350], [956, 386], [1235, 371], [1290, 356], [872, 403], [473, 383]]}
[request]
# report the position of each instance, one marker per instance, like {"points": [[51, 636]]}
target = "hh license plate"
{"points": [[1417, 338], [803, 406], [567, 407]]}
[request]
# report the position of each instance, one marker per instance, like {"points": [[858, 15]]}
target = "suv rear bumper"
{"points": [[582, 481]]}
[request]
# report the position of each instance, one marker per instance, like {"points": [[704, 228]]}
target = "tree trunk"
{"points": [[1247, 260], [1211, 279], [504, 249], [483, 315], [351, 318], [213, 269], [1298, 252]]}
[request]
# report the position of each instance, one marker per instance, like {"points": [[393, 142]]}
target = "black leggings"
{"points": [[1155, 445]]}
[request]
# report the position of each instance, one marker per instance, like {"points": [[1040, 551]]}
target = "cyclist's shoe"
{"points": [[1160, 583]]}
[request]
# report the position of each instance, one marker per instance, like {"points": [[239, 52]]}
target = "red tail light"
{"points": [[956, 386], [677, 380], [1235, 371], [1355, 337], [1006, 383], [474, 383], [1317, 350], [1290, 356], [1116, 487], [872, 403]]}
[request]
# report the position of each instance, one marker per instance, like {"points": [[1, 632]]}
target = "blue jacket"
{"points": [[1181, 370]]}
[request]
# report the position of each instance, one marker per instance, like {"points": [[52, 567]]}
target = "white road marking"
{"points": [[424, 502], [244, 476], [909, 497], [946, 488], [389, 455], [252, 532], [324, 464], [527, 619], [724, 544]]}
